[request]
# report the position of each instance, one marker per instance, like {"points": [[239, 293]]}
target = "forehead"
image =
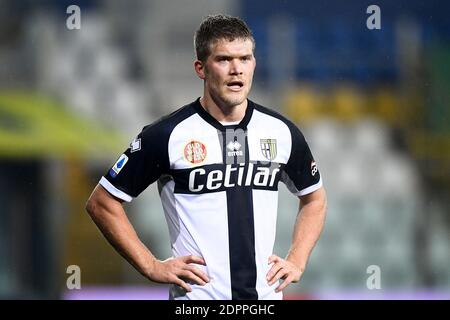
{"points": [[237, 47]]}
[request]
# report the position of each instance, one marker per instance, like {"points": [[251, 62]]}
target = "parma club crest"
{"points": [[195, 152], [269, 148]]}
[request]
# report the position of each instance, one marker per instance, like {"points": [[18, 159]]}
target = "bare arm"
{"points": [[109, 215], [307, 229]]}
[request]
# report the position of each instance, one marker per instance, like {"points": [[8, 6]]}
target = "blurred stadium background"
{"points": [[373, 104]]}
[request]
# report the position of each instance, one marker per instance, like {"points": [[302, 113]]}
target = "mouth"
{"points": [[235, 85]]}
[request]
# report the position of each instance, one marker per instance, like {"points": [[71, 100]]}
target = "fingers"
{"points": [[198, 273], [280, 274], [193, 259], [187, 274], [181, 283], [282, 269], [274, 258], [273, 271], [284, 284], [275, 268], [194, 270]]}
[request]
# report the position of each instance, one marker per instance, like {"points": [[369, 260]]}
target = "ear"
{"points": [[199, 69]]}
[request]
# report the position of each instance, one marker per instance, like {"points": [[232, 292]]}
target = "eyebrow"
{"points": [[226, 56]]}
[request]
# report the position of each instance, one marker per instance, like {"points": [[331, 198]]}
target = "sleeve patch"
{"points": [[118, 166], [135, 145]]}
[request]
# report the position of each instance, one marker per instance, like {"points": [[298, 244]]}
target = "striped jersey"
{"points": [[219, 191]]}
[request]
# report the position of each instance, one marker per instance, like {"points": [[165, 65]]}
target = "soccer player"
{"points": [[218, 162]]}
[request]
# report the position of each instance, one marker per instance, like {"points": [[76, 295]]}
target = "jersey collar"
{"points": [[212, 121]]}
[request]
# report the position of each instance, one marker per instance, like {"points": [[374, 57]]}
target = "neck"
{"points": [[223, 112]]}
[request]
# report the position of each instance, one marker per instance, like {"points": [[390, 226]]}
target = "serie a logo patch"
{"points": [[195, 152], [123, 159]]}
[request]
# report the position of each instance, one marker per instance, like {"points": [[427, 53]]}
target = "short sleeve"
{"points": [[301, 174], [142, 163]]}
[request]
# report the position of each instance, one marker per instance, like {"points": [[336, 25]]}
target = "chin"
{"points": [[234, 103], [234, 100]]}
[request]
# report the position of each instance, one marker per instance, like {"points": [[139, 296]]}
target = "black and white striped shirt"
{"points": [[219, 190]]}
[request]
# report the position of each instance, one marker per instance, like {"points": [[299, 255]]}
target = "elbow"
{"points": [[324, 202], [100, 204], [321, 203], [324, 207], [91, 207]]}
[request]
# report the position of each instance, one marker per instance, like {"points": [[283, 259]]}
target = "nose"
{"points": [[236, 68]]}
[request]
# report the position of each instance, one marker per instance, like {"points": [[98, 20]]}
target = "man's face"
{"points": [[228, 71]]}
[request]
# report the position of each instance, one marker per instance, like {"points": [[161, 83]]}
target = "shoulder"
{"points": [[163, 127], [293, 128]]}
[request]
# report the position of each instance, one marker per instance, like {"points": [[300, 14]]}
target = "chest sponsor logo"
{"points": [[231, 176], [269, 148], [234, 149], [195, 152], [118, 166]]}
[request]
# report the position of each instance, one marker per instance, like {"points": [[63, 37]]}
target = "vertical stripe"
{"points": [[241, 230]]}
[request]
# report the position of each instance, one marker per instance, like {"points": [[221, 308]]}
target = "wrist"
{"points": [[297, 261], [150, 267]]}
